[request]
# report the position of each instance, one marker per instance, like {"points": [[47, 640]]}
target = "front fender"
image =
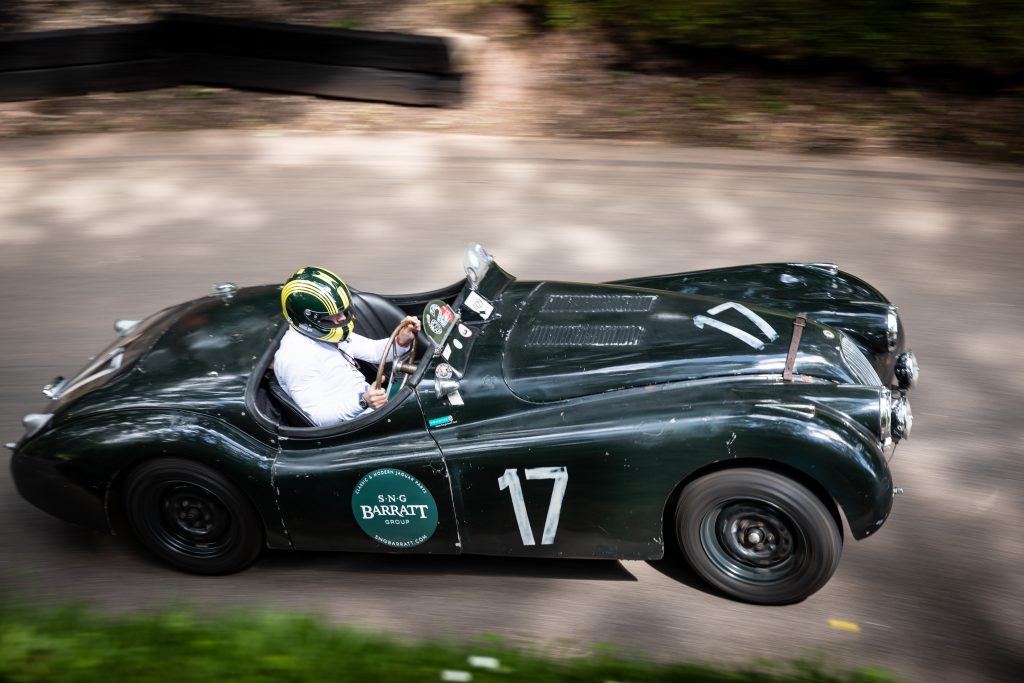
{"points": [[70, 471], [840, 457]]}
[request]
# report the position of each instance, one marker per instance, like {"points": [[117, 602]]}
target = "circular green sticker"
{"points": [[394, 508]]}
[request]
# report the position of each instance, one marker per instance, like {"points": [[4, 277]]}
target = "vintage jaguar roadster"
{"points": [[739, 415]]}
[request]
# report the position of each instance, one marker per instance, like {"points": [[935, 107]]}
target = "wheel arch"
{"points": [[192, 517], [246, 464], [784, 469], [114, 499], [834, 460]]}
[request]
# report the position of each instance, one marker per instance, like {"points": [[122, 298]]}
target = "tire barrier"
{"points": [[190, 49]]}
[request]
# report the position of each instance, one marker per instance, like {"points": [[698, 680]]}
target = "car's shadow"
{"points": [[81, 542], [675, 567], [464, 565]]}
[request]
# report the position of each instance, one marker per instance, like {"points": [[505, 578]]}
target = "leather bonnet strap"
{"points": [[798, 329]]}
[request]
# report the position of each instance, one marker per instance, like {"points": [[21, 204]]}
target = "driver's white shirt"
{"points": [[321, 379]]}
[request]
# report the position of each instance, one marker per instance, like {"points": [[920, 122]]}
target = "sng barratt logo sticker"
{"points": [[394, 508]]}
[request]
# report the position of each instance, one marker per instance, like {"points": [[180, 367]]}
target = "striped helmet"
{"points": [[310, 296]]}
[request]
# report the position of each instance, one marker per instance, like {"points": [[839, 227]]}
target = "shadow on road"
{"points": [[460, 565], [676, 568]]}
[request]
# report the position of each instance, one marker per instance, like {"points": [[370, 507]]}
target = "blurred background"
{"points": [[595, 140], [932, 77]]}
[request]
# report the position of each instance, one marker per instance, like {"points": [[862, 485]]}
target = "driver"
{"points": [[315, 362]]}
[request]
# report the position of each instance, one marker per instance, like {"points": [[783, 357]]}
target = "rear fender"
{"points": [[72, 471]]}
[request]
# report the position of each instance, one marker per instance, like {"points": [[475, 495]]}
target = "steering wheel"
{"points": [[396, 368]]}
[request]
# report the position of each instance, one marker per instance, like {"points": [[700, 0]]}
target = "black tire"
{"points": [[191, 517], [757, 536]]}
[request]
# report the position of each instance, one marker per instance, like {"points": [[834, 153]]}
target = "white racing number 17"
{"points": [[510, 481]]}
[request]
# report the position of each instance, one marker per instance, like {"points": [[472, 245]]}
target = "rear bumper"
{"points": [[42, 482]]}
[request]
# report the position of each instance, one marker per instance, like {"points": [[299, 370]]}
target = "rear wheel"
{"points": [[757, 535], [192, 517]]}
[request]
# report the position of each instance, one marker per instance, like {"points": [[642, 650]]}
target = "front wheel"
{"points": [[191, 517], [758, 536]]}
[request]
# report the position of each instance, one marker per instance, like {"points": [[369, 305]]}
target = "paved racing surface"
{"points": [[98, 228]]}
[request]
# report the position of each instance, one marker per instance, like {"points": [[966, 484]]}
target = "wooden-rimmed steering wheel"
{"points": [[397, 366]]}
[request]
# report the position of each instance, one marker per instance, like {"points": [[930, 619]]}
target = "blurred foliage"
{"points": [[343, 23], [74, 645], [887, 35]]}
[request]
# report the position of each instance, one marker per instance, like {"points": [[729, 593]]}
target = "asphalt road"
{"points": [[98, 228]]}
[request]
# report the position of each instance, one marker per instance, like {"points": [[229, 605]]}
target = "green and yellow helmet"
{"points": [[310, 296]]}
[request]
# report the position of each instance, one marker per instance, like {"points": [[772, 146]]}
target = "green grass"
{"points": [[75, 645], [774, 105], [343, 23]]}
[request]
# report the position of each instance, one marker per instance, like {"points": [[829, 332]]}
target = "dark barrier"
{"points": [[325, 80], [83, 79], [363, 65], [338, 47], [75, 47]]}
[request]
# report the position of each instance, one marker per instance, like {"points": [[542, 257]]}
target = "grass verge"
{"points": [[73, 644]]}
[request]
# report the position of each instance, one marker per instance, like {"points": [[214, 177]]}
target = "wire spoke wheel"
{"points": [[757, 536]]}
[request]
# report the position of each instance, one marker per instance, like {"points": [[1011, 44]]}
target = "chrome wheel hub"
{"points": [[750, 539]]}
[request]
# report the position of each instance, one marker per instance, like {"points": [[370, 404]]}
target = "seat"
{"points": [[376, 317], [291, 414]]}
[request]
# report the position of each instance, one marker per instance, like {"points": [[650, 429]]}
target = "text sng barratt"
{"points": [[390, 507]]}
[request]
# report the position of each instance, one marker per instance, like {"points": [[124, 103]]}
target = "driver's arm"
{"points": [[371, 350]]}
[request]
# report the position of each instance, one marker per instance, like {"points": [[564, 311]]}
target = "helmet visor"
{"points": [[335, 327]]}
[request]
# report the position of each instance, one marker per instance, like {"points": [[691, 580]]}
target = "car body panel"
{"points": [[575, 340], [200, 362], [315, 478], [627, 451], [828, 296]]}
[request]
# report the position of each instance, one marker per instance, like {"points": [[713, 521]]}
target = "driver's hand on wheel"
{"points": [[375, 398], [412, 327]]}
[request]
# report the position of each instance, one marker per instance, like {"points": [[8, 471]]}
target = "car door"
{"points": [[378, 483]]}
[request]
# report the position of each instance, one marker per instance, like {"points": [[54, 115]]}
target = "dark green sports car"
{"points": [[738, 414]]}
